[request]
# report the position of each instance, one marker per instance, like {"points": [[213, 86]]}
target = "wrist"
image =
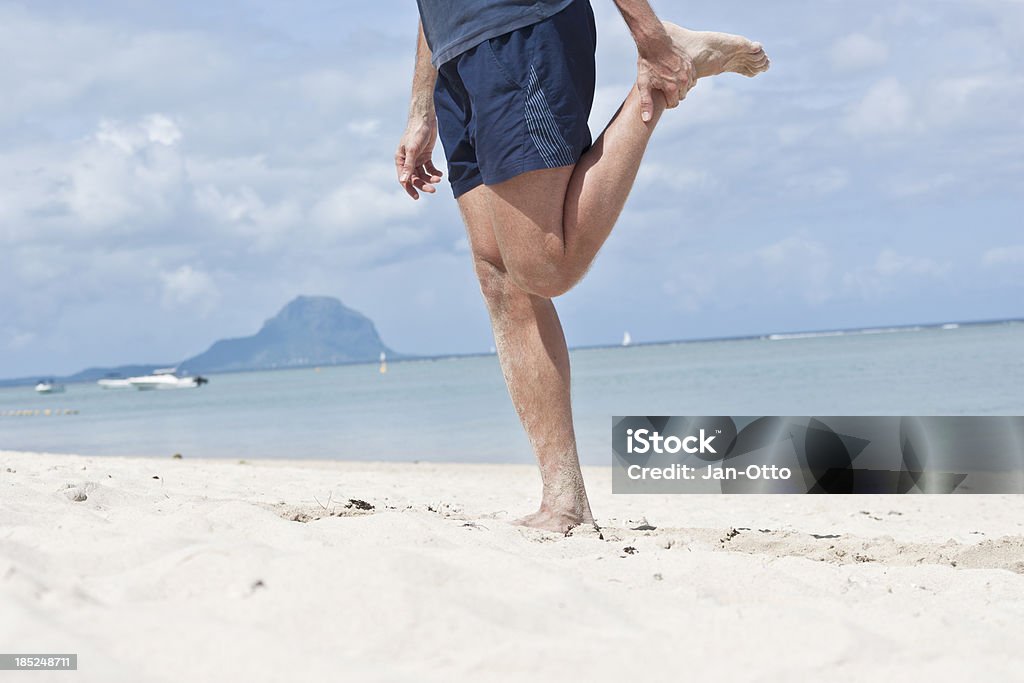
{"points": [[652, 41], [421, 110]]}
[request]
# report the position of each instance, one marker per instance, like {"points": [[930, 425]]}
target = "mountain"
{"points": [[309, 330]]}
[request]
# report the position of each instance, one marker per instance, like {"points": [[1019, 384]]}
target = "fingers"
{"points": [[673, 93], [402, 157], [424, 184], [408, 164], [410, 189], [400, 161], [432, 170], [646, 103]]}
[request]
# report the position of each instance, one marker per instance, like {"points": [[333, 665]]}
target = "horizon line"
{"points": [[778, 336]]}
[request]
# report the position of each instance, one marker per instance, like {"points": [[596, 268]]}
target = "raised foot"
{"points": [[714, 53], [560, 521]]}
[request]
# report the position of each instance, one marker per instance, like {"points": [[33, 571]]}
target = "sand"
{"points": [[206, 570]]}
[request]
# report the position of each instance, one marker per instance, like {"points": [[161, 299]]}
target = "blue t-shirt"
{"points": [[453, 26]]}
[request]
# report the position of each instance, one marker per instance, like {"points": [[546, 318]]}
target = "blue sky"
{"points": [[173, 173]]}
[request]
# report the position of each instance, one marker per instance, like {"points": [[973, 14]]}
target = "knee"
{"points": [[496, 285], [543, 279], [492, 278], [502, 284], [504, 289]]}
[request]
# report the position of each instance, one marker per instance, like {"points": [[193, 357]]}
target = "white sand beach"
{"points": [[205, 570]]}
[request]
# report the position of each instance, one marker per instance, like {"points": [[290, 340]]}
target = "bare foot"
{"points": [[715, 53], [560, 521]]}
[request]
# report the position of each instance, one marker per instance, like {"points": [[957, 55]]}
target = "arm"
{"points": [[661, 65], [413, 159]]}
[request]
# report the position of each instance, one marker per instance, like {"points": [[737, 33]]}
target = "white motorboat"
{"points": [[48, 386], [166, 378], [114, 383]]}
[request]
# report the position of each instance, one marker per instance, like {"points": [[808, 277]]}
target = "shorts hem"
{"points": [[463, 186], [537, 165]]}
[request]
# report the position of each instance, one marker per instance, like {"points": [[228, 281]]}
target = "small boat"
{"points": [[626, 339], [48, 386], [166, 378], [114, 382], [383, 362]]}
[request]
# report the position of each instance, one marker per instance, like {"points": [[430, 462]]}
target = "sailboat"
{"points": [[626, 339], [383, 362]]}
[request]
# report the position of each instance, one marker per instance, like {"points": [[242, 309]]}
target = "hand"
{"points": [[416, 170], [663, 65]]}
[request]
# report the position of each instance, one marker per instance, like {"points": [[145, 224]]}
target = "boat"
{"points": [[166, 378], [626, 339], [114, 382], [48, 386]]}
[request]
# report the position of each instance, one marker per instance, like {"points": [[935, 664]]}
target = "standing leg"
{"points": [[535, 362]]}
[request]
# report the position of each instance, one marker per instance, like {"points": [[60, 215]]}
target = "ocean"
{"points": [[457, 409]]}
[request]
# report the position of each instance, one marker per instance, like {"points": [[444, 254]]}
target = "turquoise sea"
{"points": [[456, 409]]}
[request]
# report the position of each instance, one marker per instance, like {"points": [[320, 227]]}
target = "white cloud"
{"points": [[891, 269], [688, 290], [889, 263], [916, 186], [20, 340], [800, 262], [53, 63], [711, 101], [677, 178], [1012, 255], [245, 213], [822, 182], [793, 267], [789, 134], [125, 175], [374, 85], [188, 287], [885, 108], [858, 51], [356, 208], [130, 138], [364, 127]]}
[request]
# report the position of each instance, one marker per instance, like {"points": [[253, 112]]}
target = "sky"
{"points": [[174, 173]]}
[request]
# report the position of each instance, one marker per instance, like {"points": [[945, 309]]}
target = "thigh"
{"points": [[517, 223], [527, 214], [475, 208]]}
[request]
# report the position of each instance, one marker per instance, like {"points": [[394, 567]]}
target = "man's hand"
{"points": [[416, 170], [662, 65]]}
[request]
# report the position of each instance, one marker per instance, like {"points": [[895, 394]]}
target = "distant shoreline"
{"points": [[409, 358]]}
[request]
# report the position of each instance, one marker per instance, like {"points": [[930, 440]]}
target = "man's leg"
{"points": [[550, 224], [535, 362]]}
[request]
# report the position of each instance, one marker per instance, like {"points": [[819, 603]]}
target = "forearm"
{"points": [[648, 31], [422, 104]]}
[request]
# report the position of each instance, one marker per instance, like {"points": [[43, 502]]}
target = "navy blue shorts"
{"points": [[520, 101]]}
